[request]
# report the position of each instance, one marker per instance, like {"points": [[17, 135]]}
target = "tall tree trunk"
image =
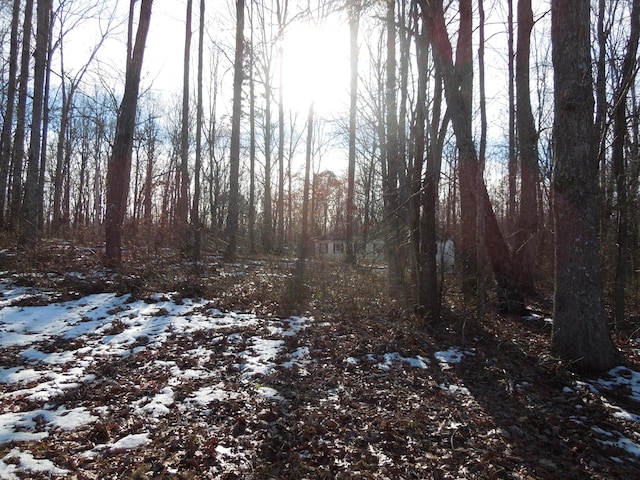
{"points": [[148, 182], [467, 163], [120, 162], [267, 225], [580, 332], [305, 238], [509, 293], [21, 114], [234, 155], [481, 284], [354, 19], [620, 134], [30, 203], [526, 244], [428, 288], [282, 15], [513, 159], [56, 221], [182, 210], [252, 140], [392, 213], [42, 169], [195, 209], [7, 123], [602, 104]]}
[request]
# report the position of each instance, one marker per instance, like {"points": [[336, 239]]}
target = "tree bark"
{"points": [[119, 168], [513, 159], [234, 154], [21, 113], [5, 138], [182, 208], [618, 166], [392, 193], [30, 203], [252, 139], [580, 333], [509, 294], [195, 208], [305, 238], [354, 20], [282, 15], [525, 238]]}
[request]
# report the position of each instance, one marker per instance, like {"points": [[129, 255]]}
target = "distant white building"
{"points": [[335, 249]]}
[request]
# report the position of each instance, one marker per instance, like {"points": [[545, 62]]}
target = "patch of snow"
{"points": [[300, 357], [269, 392], [28, 462], [622, 377], [257, 359], [206, 395], [131, 441], [159, 404], [395, 358], [449, 357], [454, 389]]}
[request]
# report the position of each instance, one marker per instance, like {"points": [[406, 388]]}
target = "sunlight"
{"points": [[316, 67]]}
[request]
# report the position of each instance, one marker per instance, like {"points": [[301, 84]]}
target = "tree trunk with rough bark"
{"points": [[234, 153], [119, 168], [580, 333]]}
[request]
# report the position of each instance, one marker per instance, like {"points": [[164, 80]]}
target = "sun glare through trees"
{"points": [[319, 238]]}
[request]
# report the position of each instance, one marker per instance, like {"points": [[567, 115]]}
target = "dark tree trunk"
{"points": [[525, 239], [354, 19], [30, 203], [120, 162], [267, 224], [513, 159], [234, 154], [305, 238], [21, 114], [45, 124], [618, 163], [392, 193], [280, 239], [509, 293], [252, 147], [428, 288], [195, 208], [7, 124], [182, 207], [580, 330]]}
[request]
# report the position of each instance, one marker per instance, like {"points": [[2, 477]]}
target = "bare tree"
{"points": [[456, 79], [620, 134], [21, 113], [182, 209], [527, 225], [580, 331], [234, 157], [5, 138], [30, 203], [354, 9], [195, 209], [120, 162], [392, 192]]}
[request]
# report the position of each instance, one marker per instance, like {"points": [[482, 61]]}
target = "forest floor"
{"points": [[172, 370]]}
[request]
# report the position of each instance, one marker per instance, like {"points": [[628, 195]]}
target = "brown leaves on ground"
{"points": [[354, 409]]}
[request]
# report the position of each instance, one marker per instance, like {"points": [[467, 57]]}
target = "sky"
{"points": [[316, 64], [38, 390]]}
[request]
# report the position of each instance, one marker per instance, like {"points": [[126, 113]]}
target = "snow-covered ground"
{"points": [[50, 351]]}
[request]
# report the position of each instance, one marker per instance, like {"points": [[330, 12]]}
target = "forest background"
{"points": [[405, 122]]}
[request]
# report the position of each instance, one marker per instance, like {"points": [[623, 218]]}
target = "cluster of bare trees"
{"points": [[233, 162]]}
